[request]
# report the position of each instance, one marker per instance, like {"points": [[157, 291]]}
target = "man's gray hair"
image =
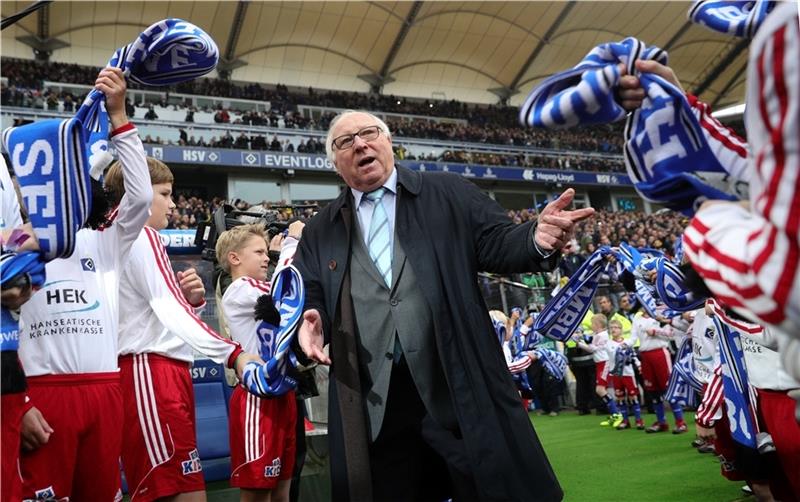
{"points": [[329, 138]]}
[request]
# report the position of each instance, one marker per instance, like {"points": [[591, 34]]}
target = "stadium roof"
{"points": [[470, 51]]}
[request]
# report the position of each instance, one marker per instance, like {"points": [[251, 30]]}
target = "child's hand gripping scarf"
{"points": [[271, 378], [737, 18], [566, 309], [666, 153]]}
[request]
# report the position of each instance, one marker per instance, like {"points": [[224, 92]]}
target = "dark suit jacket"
{"points": [[450, 231]]}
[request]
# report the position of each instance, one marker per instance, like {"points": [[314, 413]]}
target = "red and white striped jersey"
{"points": [[710, 409], [728, 147], [155, 316], [71, 324], [240, 299], [748, 257]]}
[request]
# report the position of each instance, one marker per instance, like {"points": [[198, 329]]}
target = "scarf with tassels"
{"points": [[272, 378]]}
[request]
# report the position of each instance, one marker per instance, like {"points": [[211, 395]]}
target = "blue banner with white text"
{"points": [[310, 162]]}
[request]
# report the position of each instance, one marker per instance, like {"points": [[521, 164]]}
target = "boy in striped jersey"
{"points": [[159, 328], [262, 429]]}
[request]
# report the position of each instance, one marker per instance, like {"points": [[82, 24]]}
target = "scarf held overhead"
{"points": [[737, 18], [666, 154], [53, 158]]}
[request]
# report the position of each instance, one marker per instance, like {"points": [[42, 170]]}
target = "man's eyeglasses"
{"points": [[367, 134]]}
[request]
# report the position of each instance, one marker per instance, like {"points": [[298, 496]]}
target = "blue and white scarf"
{"points": [[737, 18], [12, 266], [740, 399], [554, 362], [623, 357], [53, 158], [50, 164], [683, 384], [669, 287], [566, 309], [168, 52], [271, 378], [677, 251], [666, 154]]}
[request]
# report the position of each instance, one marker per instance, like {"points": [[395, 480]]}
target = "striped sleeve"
{"points": [[748, 257], [727, 146], [711, 405], [131, 215], [157, 281]]}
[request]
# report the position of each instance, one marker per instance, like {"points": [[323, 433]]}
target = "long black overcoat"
{"points": [[450, 231]]}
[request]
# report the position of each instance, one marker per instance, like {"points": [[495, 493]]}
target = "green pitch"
{"points": [[598, 464]]}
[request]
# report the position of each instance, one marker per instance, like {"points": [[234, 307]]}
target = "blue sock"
{"points": [[637, 409], [610, 404], [623, 408], [659, 407], [677, 411]]}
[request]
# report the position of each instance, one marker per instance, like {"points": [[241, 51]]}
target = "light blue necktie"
{"points": [[379, 241]]}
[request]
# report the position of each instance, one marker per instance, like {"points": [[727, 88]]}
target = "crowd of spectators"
{"points": [[659, 230], [485, 124]]}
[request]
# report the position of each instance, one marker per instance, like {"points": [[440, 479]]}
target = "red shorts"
{"points": [[601, 373], [726, 450], [263, 439], [656, 367], [80, 460], [776, 409], [11, 407], [159, 444], [624, 385]]}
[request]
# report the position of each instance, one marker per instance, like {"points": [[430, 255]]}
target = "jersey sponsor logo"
{"points": [[69, 297], [273, 470], [87, 264], [192, 465], [45, 494]]}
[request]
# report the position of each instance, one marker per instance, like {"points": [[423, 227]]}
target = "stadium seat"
{"points": [[211, 395]]}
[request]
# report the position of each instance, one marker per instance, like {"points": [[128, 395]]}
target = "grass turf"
{"points": [[598, 464]]}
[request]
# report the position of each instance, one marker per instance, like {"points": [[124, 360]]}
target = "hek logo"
{"points": [[192, 465]]}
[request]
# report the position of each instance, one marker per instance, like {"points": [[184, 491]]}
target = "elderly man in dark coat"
{"points": [[422, 406]]}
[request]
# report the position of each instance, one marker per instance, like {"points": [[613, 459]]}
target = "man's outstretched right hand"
{"points": [[311, 338]]}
